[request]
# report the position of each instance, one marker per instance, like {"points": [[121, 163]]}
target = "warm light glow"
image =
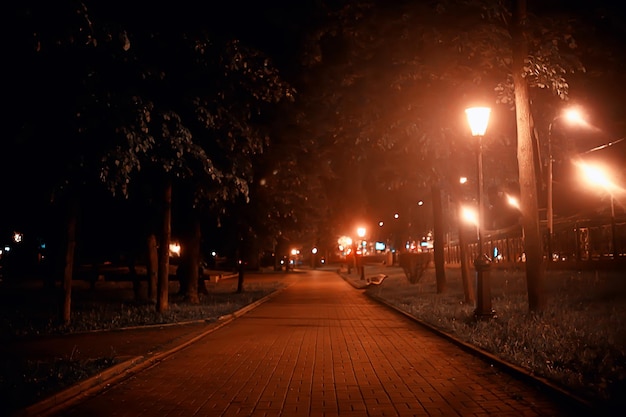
{"points": [[174, 249], [514, 202], [462, 180], [381, 223], [420, 203], [294, 252], [360, 232], [596, 175], [396, 215], [478, 118], [469, 215], [344, 242], [314, 251], [574, 116]]}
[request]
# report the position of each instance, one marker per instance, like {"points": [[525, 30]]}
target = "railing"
{"points": [[580, 243]]}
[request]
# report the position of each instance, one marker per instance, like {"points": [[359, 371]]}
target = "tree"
{"points": [[53, 59], [286, 198], [416, 59], [392, 103], [211, 148], [527, 176], [149, 106]]}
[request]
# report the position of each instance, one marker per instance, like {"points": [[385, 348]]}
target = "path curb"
{"points": [[127, 368], [572, 400]]}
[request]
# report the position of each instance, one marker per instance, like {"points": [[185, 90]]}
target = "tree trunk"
{"points": [[440, 268], [525, 159], [240, 276], [152, 267], [134, 276], [277, 257], [192, 261], [164, 249], [241, 264], [68, 267]]}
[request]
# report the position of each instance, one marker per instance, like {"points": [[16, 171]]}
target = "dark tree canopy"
{"points": [[379, 88]]}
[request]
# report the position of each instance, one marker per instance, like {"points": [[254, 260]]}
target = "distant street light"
{"points": [[345, 246], [596, 175], [469, 216], [314, 257], [478, 119], [361, 233], [513, 202], [572, 116]]}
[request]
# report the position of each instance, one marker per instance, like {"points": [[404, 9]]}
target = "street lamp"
{"points": [[478, 119], [573, 116], [314, 257], [361, 233], [595, 175]]}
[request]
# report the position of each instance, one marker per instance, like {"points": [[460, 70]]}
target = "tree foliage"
{"points": [[130, 90]]}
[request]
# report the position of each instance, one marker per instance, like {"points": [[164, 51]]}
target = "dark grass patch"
{"points": [[112, 306], [31, 312], [25, 382]]}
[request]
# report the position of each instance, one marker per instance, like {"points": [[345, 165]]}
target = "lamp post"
{"points": [[613, 238], [314, 257], [361, 233], [573, 116], [478, 119], [597, 176], [345, 246]]}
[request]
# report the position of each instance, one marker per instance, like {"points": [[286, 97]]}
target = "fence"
{"points": [[577, 244]]}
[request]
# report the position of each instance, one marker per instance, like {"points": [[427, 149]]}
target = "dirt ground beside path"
{"points": [[103, 344], [37, 364]]}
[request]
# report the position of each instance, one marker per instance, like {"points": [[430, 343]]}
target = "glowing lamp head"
{"points": [[478, 119], [574, 116], [469, 215]]}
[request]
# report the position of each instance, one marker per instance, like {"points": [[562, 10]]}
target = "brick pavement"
{"points": [[319, 348]]}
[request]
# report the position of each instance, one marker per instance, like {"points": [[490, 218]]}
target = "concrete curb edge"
{"points": [[123, 370]]}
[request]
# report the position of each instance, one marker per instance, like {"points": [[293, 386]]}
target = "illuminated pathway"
{"points": [[320, 348]]}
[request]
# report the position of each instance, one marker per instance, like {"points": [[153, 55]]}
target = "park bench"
{"points": [[376, 280]]}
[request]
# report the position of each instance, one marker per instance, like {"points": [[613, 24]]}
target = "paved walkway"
{"points": [[319, 348]]}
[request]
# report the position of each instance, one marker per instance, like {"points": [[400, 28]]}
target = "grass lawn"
{"points": [[29, 311]]}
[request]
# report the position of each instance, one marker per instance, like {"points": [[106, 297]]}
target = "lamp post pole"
{"points": [[361, 233], [481, 197], [550, 210], [613, 238], [597, 175], [573, 116], [478, 118]]}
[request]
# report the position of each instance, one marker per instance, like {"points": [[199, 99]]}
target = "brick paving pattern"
{"points": [[320, 348]]}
